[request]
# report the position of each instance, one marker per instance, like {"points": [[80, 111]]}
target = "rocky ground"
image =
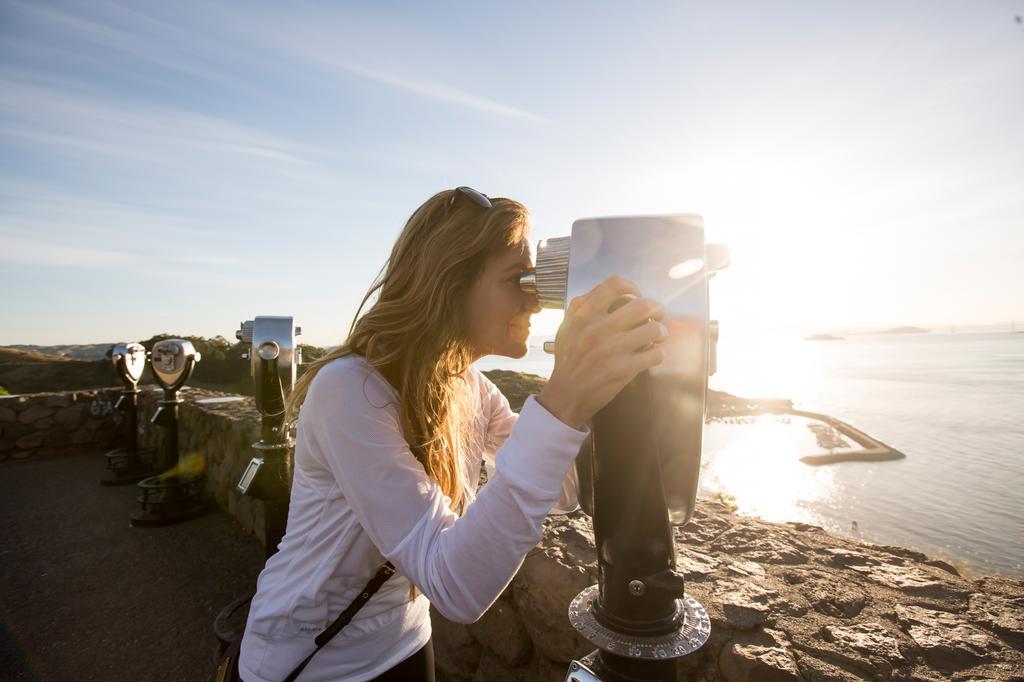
{"points": [[791, 602]]}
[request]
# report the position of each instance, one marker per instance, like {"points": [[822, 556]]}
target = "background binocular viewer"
{"points": [[129, 360], [274, 357], [173, 361], [179, 493], [126, 464]]}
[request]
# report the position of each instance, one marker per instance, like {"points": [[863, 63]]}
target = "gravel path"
{"points": [[84, 596]]}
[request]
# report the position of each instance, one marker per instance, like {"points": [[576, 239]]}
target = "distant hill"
{"points": [[28, 369], [9, 354], [33, 372], [906, 330], [88, 351]]}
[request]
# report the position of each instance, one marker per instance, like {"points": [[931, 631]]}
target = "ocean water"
{"points": [[952, 403]]}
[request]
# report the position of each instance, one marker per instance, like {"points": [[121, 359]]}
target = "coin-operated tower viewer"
{"points": [[638, 477]]}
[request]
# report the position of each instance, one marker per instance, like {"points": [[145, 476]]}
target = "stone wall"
{"points": [[40, 424], [787, 601]]}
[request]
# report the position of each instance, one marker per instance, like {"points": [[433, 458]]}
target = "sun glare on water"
{"points": [[758, 467]]}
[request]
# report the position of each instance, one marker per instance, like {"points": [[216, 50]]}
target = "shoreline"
{"points": [[723, 405]]}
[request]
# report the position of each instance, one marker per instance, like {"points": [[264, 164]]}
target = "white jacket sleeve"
{"points": [[461, 564], [501, 419]]}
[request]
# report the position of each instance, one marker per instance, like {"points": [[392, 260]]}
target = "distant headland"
{"points": [[906, 330]]}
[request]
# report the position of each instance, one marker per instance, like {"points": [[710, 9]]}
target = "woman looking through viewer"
{"points": [[393, 427]]}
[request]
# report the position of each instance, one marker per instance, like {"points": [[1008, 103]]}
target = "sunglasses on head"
{"points": [[478, 198]]}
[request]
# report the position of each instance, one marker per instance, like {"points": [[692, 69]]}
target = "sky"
{"points": [[181, 167]]}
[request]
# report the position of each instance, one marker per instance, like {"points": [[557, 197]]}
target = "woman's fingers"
{"points": [[639, 338], [646, 359], [600, 347], [626, 368], [637, 311], [601, 297]]}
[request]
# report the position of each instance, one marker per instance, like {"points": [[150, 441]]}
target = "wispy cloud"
{"points": [[153, 269], [99, 124], [35, 252], [312, 46], [31, 208], [208, 259], [433, 90], [40, 227], [146, 39]]}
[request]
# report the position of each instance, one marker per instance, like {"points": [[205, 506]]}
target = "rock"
{"points": [[30, 442], [571, 538], [1013, 672], [844, 557], [815, 670], [59, 399], [33, 413], [999, 585], [790, 604], [744, 603], [700, 531], [902, 552], [549, 671], [805, 527], [493, 670], [57, 438], [921, 674], [42, 424], [834, 596], [764, 657], [695, 565], [544, 587], [911, 580], [97, 423], [455, 651], [748, 569], [7, 415], [945, 566], [502, 634], [894, 572], [1002, 615], [753, 544], [72, 416], [948, 641], [81, 436], [878, 648]]}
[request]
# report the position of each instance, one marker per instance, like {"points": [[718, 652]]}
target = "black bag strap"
{"points": [[383, 573]]}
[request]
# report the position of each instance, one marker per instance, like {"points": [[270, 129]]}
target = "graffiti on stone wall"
{"points": [[102, 406]]}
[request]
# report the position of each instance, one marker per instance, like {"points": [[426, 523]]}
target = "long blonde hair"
{"points": [[414, 333]]}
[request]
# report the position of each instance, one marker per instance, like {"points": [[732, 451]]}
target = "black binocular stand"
{"points": [[638, 614], [127, 464], [179, 493]]}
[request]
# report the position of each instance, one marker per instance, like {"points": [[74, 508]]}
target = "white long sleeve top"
{"points": [[359, 497]]}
